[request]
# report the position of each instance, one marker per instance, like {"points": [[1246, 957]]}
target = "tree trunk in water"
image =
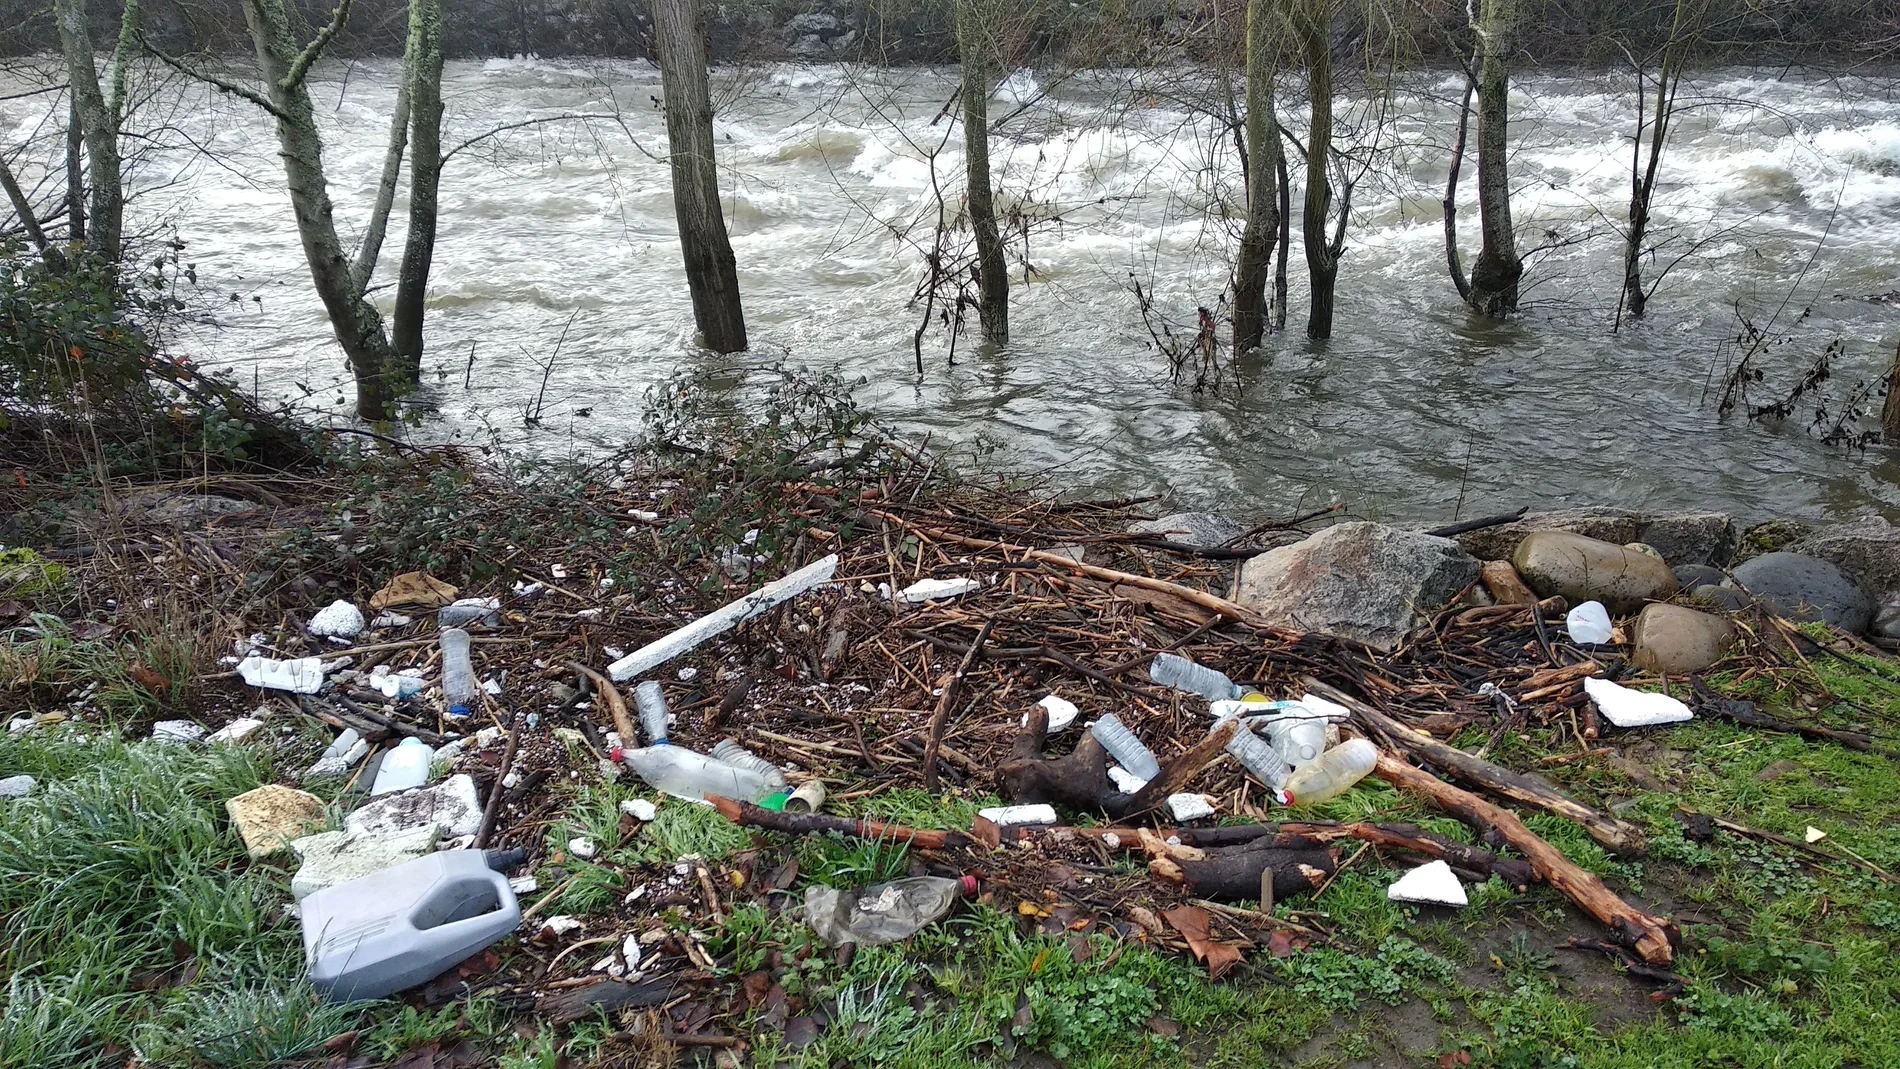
{"points": [[1452, 262], [712, 274], [1322, 259], [1890, 410], [358, 326], [99, 126], [1263, 197], [1495, 276], [75, 176], [1286, 237], [28, 220], [372, 248], [992, 272], [425, 176]]}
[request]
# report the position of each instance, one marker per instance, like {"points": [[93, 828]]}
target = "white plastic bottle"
{"points": [[404, 767], [729, 751], [458, 674], [1184, 675], [1333, 774], [686, 774], [650, 699], [1127, 750]]}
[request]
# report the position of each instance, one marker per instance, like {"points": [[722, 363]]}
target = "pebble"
{"points": [[18, 786]]}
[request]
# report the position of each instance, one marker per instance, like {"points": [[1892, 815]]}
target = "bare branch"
{"points": [[213, 80], [300, 67]]}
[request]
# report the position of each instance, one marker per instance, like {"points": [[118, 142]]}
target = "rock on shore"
{"points": [[1361, 580]]}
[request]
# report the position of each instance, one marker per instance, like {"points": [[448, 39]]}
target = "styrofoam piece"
{"points": [[1815, 834], [236, 731], [339, 619], [1190, 806], [1628, 708], [1062, 712], [1588, 623], [177, 731], [639, 809], [1125, 781], [301, 675], [935, 589], [453, 805], [524, 885], [1434, 884], [582, 847], [1009, 815], [629, 949], [724, 619], [561, 924]]}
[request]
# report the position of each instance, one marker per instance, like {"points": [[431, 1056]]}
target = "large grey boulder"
{"points": [[1682, 538], [1205, 529], [1807, 588], [1868, 550], [1587, 569], [1360, 580]]}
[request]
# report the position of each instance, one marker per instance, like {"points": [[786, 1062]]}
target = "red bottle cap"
{"points": [[966, 884]]}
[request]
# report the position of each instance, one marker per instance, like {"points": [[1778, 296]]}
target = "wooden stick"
{"points": [[1653, 938], [616, 705], [1615, 835], [950, 684], [494, 789], [748, 815]]}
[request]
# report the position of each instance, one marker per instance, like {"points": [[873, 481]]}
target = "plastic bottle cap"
{"points": [[458, 710], [966, 885], [775, 802]]}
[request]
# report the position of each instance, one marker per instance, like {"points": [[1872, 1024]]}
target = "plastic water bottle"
{"points": [[458, 675], [483, 611], [729, 751], [650, 700], [1333, 774], [1258, 757], [405, 925], [686, 774], [1184, 675], [404, 767], [1124, 747]]}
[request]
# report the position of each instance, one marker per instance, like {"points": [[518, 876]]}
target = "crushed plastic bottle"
{"points": [[729, 751], [1170, 670], [458, 673], [483, 612], [394, 929], [1124, 747], [650, 699], [404, 767], [885, 913], [686, 774], [1588, 623], [1259, 759], [1333, 774]]}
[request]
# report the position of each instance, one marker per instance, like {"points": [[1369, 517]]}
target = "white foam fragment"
{"points": [[177, 731], [936, 589], [1190, 806], [1004, 816], [639, 809], [1815, 834], [236, 731], [524, 885], [1434, 884], [1628, 708], [1062, 712], [1125, 781], [561, 924], [339, 619], [302, 675], [582, 847]]}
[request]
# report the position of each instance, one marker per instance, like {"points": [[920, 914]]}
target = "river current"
{"points": [[1780, 195]]}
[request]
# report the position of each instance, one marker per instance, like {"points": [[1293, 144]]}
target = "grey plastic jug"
{"points": [[407, 924]]}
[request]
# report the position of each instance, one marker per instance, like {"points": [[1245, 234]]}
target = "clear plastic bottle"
{"points": [[1258, 757], [1184, 675], [404, 767], [650, 699], [485, 612], [686, 774], [458, 673], [1333, 774], [1127, 750], [729, 751]]}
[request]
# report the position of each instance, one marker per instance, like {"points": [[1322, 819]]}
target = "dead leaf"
{"points": [[1081, 949], [755, 987], [1453, 1060], [412, 590], [150, 678], [1165, 1028], [1281, 944], [422, 1057], [1146, 919], [800, 1032], [783, 876], [1191, 922]]}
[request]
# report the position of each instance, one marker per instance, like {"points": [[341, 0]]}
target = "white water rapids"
{"points": [[1783, 190]]}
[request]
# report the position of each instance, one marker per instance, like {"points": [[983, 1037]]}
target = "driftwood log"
{"points": [[1234, 874], [1617, 836], [1080, 780], [1654, 939], [608, 996], [747, 815]]}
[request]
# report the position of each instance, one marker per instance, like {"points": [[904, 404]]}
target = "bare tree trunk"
{"points": [[1286, 237], [75, 176], [371, 249], [1687, 23], [99, 123], [711, 271], [1890, 409], [1315, 20], [358, 326], [1452, 261], [992, 272], [1263, 197], [1495, 276], [424, 76], [29, 221]]}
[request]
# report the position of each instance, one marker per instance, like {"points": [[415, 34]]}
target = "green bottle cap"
{"points": [[775, 802]]}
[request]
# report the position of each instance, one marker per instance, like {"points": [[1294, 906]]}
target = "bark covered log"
{"points": [[1234, 874], [712, 273]]}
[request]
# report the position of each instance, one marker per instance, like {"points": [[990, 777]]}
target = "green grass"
{"points": [[45, 665]]}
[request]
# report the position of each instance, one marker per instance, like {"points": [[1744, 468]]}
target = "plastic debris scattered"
{"points": [[885, 913], [1432, 884], [302, 675], [1062, 712], [404, 767], [236, 731], [1628, 708], [1588, 623], [1011, 815], [582, 847], [177, 731], [333, 857], [1815, 834], [639, 809], [1186, 807], [723, 619], [339, 619], [451, 805], [938, 589]]}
